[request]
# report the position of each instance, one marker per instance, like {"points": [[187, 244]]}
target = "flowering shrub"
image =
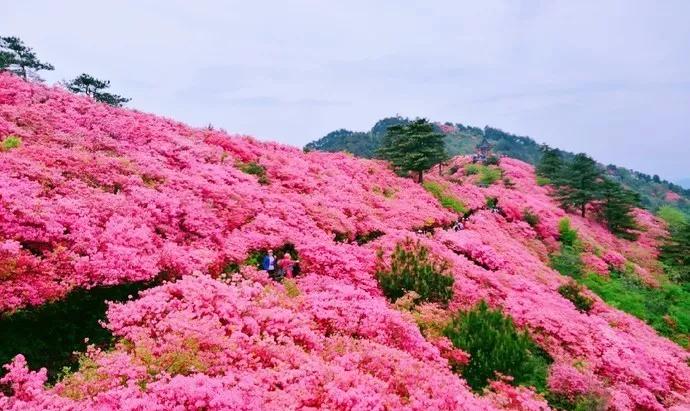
{"points": [[103, 196]]}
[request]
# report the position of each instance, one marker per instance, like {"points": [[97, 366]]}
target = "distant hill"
{"points": [[461, 139]]}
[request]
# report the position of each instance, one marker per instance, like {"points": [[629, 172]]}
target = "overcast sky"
{"points": [[611, 78]]}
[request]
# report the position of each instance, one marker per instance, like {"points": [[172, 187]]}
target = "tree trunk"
{"points": [[583, 208], [421, 177]]}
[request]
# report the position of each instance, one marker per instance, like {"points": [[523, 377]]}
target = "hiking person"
{"points": [[287, 265], [268, 263]]}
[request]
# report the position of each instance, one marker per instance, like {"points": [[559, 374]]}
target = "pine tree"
{"points": [[579, 183], [617, 204], [93, 87], [20, 59], [550, 164], [413, 147], [675, 253]]}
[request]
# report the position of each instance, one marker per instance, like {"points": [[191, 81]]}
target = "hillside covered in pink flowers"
{"points": [[96, 195]]}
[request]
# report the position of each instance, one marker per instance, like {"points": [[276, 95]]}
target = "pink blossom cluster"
{"points": [[98, 195], [672, 196], [447, 128]]}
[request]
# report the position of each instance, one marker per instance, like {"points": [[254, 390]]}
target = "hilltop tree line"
{"points": [[582, 186], [21, 60]]}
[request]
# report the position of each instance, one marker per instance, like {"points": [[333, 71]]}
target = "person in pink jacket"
{"points": [[287, 265]]}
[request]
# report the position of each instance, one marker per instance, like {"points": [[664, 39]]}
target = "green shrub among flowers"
{"points": [[413, 268], [496, 346]]}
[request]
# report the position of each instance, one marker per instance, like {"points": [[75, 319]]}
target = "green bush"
{"points": [[446, 200], [364, 238], [488, 176], [568, 235], [255, 169], [48, 335], [584, 402], [412, 268], [492, 202], [472, 169], [530, 218], [492, 161], [496, 345], [568, 262], [10, 142], [542, 181], [572, 291]]}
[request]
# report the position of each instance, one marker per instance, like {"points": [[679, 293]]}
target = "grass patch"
{"points": [[665, 308], [446, 200], [673, 216]]}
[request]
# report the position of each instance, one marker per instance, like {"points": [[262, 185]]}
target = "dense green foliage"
{"points": [[530, 218], [446, 200], [49, 334], [580, 184], [551, 163], [358, 143], [572, 291], [616, 207], [464, 139], [93, 87], [412, 268], [577, 183], [20, 59], [496, 345], [10, 142], [255, 169], [412, 147], [675, 253]]}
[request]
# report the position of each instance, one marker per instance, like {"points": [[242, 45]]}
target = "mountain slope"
{"points": [[97, 195], [461, 140]]}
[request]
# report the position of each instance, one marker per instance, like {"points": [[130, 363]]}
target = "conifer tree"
{"points": [[579, 183], [413, 147], [616, 206], [93, 87], [20, 59], [550, 164], [675, 253]]}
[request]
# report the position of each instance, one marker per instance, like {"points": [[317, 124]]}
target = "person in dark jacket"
{"points": [[268, 263]]}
